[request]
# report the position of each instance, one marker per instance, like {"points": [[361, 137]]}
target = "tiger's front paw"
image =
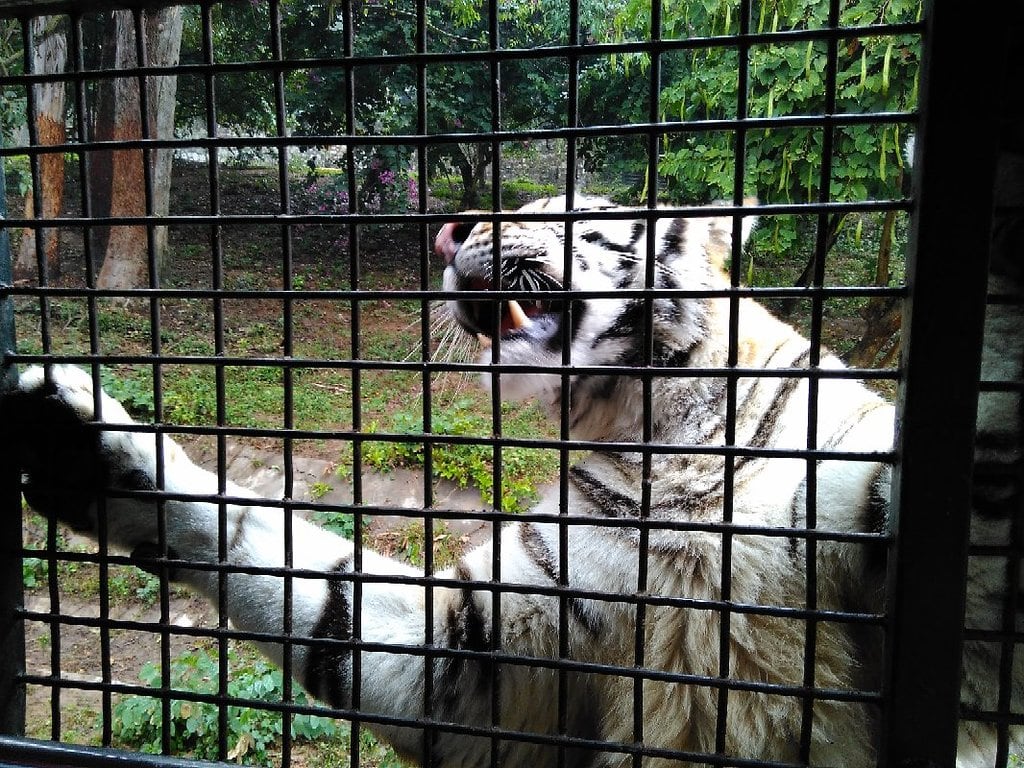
{"points": [[67, 460]]}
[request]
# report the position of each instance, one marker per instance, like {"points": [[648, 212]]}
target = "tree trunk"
{"points": [[118, 183], [49, 56], [164, 46], [472, 161], [879, 345], [483, 160], [882, 314], [470, 193]]}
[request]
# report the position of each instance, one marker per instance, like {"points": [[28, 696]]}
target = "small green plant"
{"points": [[465, 464], [33, 572], [194, 727], [132, 584], [341, 523], [135, 392], [409, 543], [338, 752], [319, 489]]}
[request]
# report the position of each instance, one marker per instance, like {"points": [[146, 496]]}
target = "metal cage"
{"points": [[936, 379]]}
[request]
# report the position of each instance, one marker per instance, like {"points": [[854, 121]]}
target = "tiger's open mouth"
{"points": [[509, 318], [502, 317]]}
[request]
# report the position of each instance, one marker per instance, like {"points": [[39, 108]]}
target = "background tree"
{"points": [[117, 178], [875, 74], [384, 96], [49, 56]]}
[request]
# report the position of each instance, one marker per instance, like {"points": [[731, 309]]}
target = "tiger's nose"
{"points": [[450, 238]]}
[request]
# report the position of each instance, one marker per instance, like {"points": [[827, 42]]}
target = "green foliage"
{"points": [[12, 100], [135, 392], [127, 583], [240, 31], [341, 523], [386, 97], [33, 572], [194, 726], [875, 73], [319, 489], [17, 173], [465, 464]]}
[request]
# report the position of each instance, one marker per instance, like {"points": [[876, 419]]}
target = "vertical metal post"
{"points": [[12, 631], [942, 330]]}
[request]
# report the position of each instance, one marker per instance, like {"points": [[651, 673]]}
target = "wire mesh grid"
{"points": [[266, 339]]}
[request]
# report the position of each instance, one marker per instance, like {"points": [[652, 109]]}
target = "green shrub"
{"points": [[194, 726], [341, 523], [465, 464], [33, 572], [135, 393]]}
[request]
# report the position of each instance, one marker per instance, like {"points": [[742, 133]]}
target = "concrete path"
{"points": [[317, 480]]}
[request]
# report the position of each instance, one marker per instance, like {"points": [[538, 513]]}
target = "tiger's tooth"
{"points": [[519, 318]]}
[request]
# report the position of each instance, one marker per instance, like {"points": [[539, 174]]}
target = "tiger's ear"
{"points": [[718, 245], [749, 222]]}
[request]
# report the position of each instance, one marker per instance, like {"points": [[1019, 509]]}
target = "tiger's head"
{"points": [[584, 304]]}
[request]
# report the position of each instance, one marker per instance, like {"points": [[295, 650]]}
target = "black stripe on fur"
{"points": [[329, 666], [607, 501]]}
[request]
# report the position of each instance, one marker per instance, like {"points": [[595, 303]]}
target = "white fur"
{"points": [[680, 641]]}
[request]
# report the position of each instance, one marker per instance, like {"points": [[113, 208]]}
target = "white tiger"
{"points": [[494, 679]]}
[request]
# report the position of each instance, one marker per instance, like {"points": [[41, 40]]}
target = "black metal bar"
{"points": [[814, 361], [16, 9], [12, 627], [287, 374], [482, 137], [355, 325], [19, 751], [275, 220], [947, 262]]}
